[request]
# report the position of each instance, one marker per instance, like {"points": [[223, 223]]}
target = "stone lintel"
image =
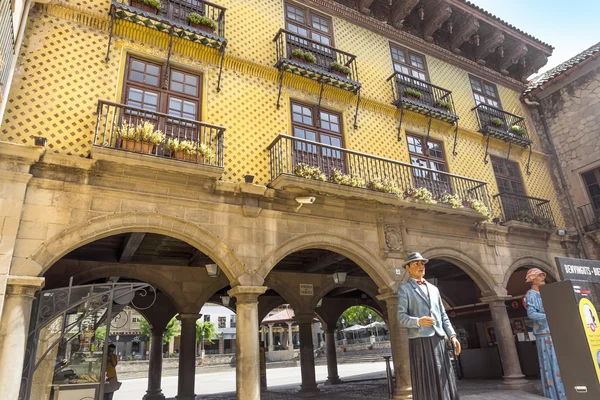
{"points": [[19, 153], [24, 285]]}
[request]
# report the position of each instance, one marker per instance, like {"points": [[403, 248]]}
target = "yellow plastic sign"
{"points": [[591, 325]]}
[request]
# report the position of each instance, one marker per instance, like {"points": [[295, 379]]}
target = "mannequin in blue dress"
{"points": [[549, 371]]}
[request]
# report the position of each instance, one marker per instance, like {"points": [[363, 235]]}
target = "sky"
{"points": [[570, 26]]}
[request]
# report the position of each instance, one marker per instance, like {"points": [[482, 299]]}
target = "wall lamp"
{"points": [[339, 277], [213, 270]]}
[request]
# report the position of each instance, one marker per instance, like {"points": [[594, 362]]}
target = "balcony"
{"points": [[531, 210], [502, 125], [169, 139], [590, 217], [320, 70], [422, 97], [313, 166]]}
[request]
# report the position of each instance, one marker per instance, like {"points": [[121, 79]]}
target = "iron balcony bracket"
{"points": [[428, 128], [400, 124], [168, 67], [356, 112], [221, 66], [320, 98], [454, 152], [280, 85], [528, 167], [113, 12], [487, 145]]}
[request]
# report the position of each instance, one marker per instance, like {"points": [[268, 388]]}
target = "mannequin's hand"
{"points": [[426, 321], [456, 343]]}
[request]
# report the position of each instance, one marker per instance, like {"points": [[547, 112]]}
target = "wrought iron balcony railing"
{"points": [[502, 125], [175, 12], [517, 207], [118, 126], [286, 42], [364, 170], [422, 97], [590, 217]]}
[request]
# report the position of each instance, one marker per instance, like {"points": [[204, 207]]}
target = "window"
{"points": [[592, 183], [323, 128], [232, 321], [305, 23], [510, 186], [207, 318], [432, 157], [409, 63], [134, 319], [222, 322], [485, 92]]}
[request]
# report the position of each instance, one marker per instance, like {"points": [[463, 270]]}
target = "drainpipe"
{"points": [[563, 180]]}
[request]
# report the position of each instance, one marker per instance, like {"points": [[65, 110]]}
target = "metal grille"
{"points": [[7, 50]]}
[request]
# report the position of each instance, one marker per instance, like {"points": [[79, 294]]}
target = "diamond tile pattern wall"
{"points": [[62, 73]]}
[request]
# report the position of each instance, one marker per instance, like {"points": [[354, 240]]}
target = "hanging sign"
{"points": [[591, 326], [578, 269]]}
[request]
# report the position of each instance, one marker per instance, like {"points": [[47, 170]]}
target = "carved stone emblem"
{"points": [[393, 237]]}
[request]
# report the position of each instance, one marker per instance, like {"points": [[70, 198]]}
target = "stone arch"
{"points": [[482, 278], [529, 261], [363, 257], [171, 290], [371, 291], [287, 293], [97, 228]]}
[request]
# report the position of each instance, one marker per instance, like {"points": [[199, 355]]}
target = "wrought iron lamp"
{"points": [[213, 270], [339, 277], [225, 300]]}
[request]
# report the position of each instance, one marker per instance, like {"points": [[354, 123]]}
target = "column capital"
{"points": [[188, 316], [247, 294], [25, 286], [495, 300], [304, 318]]}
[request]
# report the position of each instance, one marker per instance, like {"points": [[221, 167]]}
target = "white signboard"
{"points": [[306, 290]]}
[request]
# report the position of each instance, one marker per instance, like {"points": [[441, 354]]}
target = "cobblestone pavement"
{"points": [[375, 388]]}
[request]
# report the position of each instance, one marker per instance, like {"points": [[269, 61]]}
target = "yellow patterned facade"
{"points": [[62, 73]]}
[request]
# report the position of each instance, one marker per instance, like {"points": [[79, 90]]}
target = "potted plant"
{"points": [[496, 122], [339, 69], [182, 150], [310, 58], [516, 129], [151, 6], [201, 22], [443, 105], [141, 138], [298, 55], [412, 94]]}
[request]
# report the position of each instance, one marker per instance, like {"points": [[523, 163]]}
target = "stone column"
{"points": [[513, 376], [14, 331], [307, 355], [290, 336], [187, 357], [399, 345], [262, 334], [332, 370], [271, 346], [247, 371], [221, 344], [154, 391]]}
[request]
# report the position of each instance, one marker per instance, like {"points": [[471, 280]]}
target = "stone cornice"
{"points": [[415, 42]]}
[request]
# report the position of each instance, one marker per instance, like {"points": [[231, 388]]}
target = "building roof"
{"points": [[547, 76], [505, 23], [282, 316]]}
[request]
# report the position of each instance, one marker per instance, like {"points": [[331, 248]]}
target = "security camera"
{"points": [[306, 200]]}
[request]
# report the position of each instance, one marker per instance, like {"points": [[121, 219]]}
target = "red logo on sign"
{"points": [[515, 304], [593, 327]]}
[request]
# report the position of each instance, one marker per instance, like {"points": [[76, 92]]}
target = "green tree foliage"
{"points": [[173, 328], [358, 315], [100, 334], [208, 328]]}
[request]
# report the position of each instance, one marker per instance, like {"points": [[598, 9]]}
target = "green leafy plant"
{"points": [[172, 329], [309, 172], [478, 206], [152, 3], [195, 18], [335, 66], [443, 104], [384, 185], [420, 194], [204, 330], [529, 218], [309, 57], [496, 122], [348, 180], [453, 200], [412, 93], [298, 53], [518, 130], [357, 315]]}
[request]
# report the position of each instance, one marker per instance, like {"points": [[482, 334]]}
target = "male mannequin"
{"points": [[421, 311]]}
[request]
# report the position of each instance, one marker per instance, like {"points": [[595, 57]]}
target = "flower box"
{"points": [[203, 28], [339, 73], [137, 146], [144, 7]]}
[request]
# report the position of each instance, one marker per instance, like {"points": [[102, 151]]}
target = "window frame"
{"points": [[224, 322], [519, 179], [316, 126], [596, 173], [426, 156], [482, 83], [408, 52], [164, 95], [308, 12]]}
